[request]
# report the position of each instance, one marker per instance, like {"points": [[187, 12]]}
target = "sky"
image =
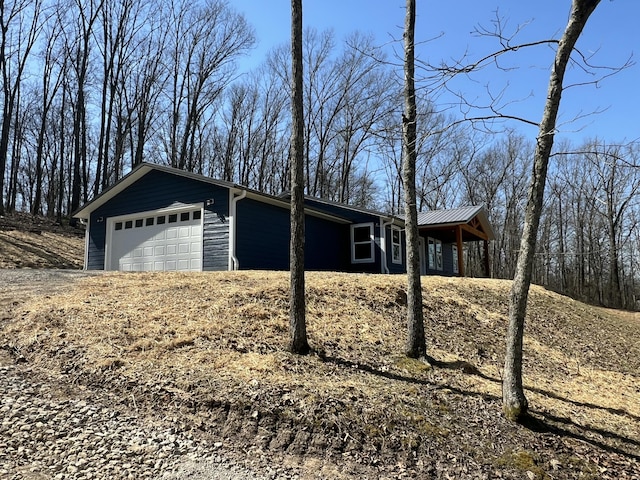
{"points": [[444, 31]]}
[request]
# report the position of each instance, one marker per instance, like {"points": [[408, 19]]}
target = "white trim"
{"points": [[454, 251], [371, 241], [148, 213]]}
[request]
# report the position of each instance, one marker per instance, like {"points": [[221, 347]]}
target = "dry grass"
{"points": [[20, 249], [219, 340]]}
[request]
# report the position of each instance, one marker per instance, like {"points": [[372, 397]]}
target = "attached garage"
{"points": [[155, 241]]}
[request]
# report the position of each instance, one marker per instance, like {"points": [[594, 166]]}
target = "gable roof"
{"points": [[142, 169], [456, 216]]}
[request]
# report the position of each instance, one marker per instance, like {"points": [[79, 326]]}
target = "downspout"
{"points": [[86, 242], [384, 223], [234, 264]]}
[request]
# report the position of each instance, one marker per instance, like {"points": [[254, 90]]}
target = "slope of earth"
{"points": [[210, 351], [36, 242]]}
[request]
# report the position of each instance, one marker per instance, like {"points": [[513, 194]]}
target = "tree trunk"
{"points": [[298, 326], [514, 402], [416, 343]]}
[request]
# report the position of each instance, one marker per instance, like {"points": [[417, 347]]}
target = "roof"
{"points": [[144, 168], [456, 216]]}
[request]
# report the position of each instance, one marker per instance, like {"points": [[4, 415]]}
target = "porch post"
{"points": [[460, 255], [487, 264]]}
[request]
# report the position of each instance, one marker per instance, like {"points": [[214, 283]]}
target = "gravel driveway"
{"points": [[49, 430]]}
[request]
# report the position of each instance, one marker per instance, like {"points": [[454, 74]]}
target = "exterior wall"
{"points": [[157, 190], [263, 233], [355, 217]]}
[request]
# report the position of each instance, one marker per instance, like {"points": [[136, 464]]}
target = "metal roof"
{"points": [[456, 216]]}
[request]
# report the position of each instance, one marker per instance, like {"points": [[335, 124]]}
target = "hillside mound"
{"points": [[37, 242], [209, 352]]}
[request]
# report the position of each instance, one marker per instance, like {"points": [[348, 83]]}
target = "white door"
{"points": [[157, 241]]}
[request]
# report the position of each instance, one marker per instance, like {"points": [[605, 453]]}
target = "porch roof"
{"points": [[442, 224]]}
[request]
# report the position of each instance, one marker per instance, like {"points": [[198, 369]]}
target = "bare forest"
{"points": [[91, 88]]}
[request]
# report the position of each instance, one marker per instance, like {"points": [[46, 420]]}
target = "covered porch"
{"points": [[456, 227]]}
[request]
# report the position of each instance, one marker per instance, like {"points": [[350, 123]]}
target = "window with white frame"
{"points": [[362, 243], [396, 245], [435, 254]]}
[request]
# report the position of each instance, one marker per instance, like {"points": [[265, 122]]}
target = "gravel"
{"points": [[45, 435]]}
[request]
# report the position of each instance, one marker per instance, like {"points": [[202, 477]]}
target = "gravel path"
{"points": [[46, 433]]}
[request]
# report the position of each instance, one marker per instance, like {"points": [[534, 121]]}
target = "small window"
{"points": [[161, 220], [184, 216], [128, 224], [362, 245], [438, 255], [197, 215], [173, 218], [396, 246], [139, 222], [118, 225], [150, 221]]}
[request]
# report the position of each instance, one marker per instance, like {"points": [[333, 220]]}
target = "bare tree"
{"points": [[20, 25], [416, 343], [515, 404], [297, 313]]}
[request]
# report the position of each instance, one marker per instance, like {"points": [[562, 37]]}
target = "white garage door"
{"points": [[157, 241]]}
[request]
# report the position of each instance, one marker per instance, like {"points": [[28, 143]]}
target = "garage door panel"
{"points": [[169, 243]]}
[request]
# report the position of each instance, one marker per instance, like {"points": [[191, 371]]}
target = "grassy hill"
{"points": [[209, 351], [37, 242]]}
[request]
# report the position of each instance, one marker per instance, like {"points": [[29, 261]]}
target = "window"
{"points": [[150, 221], [184, 217], [435, 254], [362, 243], [118, 225], [396, 246], [197, 215], [128, 224], [161, 220], [139, 222], [173, 218], [454, 251]]}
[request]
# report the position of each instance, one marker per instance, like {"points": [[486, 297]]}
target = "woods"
{"points": [[90, 89]]}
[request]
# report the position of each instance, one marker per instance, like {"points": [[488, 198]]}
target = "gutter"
{"points": [[384, 223], [234, 264]]}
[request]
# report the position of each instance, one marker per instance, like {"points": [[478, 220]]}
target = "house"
{"points": [[161, 218]]}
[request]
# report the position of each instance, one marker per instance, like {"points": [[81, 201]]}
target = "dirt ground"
{"points": [[209, 350]]}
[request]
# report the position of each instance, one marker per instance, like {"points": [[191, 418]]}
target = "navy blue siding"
{"points": [[262, 236], [157, 190], [263, 233]]}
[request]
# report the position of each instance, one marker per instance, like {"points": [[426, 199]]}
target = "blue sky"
{"points": [[445, 28]]}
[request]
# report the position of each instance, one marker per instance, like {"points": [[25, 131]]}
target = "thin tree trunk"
{"points": [[416, 343], [298, 326], [514, 402]]}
